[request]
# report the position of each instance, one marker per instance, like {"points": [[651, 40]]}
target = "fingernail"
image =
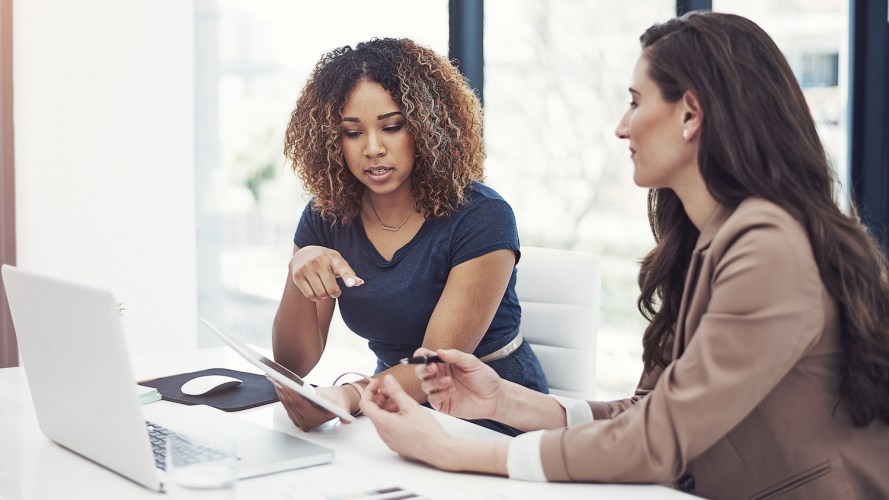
{"points": [[350, 281]]}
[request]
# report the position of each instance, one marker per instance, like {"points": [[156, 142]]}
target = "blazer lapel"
{"points": [[716, 220]]}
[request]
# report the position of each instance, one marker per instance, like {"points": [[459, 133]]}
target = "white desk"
{"points": [[34, 468]]}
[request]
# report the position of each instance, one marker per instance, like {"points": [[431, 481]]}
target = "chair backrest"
{"points": [[559, 293]]}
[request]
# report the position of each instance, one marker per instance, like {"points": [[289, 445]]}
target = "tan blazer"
{"points": [[748, 408]]}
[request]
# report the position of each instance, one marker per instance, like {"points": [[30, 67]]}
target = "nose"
{"points": [[623, 127], [374, 146]]}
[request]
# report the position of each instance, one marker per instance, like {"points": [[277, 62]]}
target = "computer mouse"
{"points": [[209, 384]]}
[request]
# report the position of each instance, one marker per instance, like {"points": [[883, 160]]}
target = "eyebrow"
{"points": [[379, 117], [633, 91]]}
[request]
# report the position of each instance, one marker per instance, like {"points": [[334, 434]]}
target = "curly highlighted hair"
{"points": [[443, 116]]}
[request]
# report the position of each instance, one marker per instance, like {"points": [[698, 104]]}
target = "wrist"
{"points": [[448, 455], [505, 400], [353, 391], [354, 396], [470, 455]]}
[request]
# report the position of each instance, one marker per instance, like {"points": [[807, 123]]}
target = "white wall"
{"points": [[104, 155]]}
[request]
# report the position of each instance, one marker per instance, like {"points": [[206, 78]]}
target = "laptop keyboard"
{"points": [[195, 452]]}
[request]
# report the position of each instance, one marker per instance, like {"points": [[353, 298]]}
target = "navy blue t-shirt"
{"points": [[393, 306]]}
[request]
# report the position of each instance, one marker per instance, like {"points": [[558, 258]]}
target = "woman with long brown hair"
{"points": [[767, 353]]}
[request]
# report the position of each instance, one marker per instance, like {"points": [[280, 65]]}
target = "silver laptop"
{"points": [[78, 369]]}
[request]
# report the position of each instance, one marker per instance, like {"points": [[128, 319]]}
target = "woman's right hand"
{"points": [[314, 271], [462, 386], [307, 415]]}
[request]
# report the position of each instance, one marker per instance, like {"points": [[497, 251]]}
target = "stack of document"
{"points": [[147, 394]]}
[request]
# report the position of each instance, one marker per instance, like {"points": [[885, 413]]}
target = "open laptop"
{"points": [[78, 369]]}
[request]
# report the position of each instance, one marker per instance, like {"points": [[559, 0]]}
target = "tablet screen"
{"points": [[274, 365]]}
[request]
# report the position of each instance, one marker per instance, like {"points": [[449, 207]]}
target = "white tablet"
{"points": [[281, 374]]}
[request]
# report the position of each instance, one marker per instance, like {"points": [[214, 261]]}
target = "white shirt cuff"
{"points": [[523, 457], [577, 411]]}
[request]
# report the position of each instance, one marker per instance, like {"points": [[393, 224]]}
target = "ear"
{"points": [[692, 115]]}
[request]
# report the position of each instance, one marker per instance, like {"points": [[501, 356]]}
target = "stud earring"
{"points": [[685, 134]]}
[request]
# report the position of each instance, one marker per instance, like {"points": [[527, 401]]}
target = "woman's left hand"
{"points": [[406, 427], [305, 414]]}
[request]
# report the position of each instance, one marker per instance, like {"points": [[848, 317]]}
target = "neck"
{"points": [[699, 207], [696, 199], [391, 204], [391, 212]]}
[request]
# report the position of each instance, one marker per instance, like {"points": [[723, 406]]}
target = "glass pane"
{"points": [[556, 78], [814, 37], [252, 60]]}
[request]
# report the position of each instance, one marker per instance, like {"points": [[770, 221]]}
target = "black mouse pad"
{"points": [[254, 390]]}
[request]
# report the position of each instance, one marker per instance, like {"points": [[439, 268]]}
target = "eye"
{"points": [[633, 103], [351, 134], [393, 128]]}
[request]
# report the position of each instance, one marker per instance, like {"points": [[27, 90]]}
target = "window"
{"points": [[556, 75], [819, 70], [813, 35], [556, 78]]}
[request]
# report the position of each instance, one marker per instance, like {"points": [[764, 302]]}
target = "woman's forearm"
{"points": [[408, 380], [297, 334], [528, 410], [474, 455]]}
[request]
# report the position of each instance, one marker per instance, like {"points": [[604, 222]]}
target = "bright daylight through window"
{"points": [[556, 75]]}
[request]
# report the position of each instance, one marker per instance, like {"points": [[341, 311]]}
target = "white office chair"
{"points": [[559, 292]]}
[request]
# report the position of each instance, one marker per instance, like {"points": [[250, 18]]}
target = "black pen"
{"points": [[420, 360]]}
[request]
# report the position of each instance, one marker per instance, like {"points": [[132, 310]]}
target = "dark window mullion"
{"points": [[869, 114], [466, 30], [683, 6]]}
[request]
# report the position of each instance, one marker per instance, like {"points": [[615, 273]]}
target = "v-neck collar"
{"points": [[371, 249]]}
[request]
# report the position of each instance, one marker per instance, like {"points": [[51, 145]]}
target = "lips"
{"points": [[379, 172]]}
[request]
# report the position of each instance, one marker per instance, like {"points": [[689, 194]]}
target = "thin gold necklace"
{"points": [[382, 224]]}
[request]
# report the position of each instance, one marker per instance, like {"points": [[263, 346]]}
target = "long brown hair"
{"points": [[442, 112], [759, 139]]}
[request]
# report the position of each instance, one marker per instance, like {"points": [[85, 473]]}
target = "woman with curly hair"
{"points": [[767, 352], [387, 138]]}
